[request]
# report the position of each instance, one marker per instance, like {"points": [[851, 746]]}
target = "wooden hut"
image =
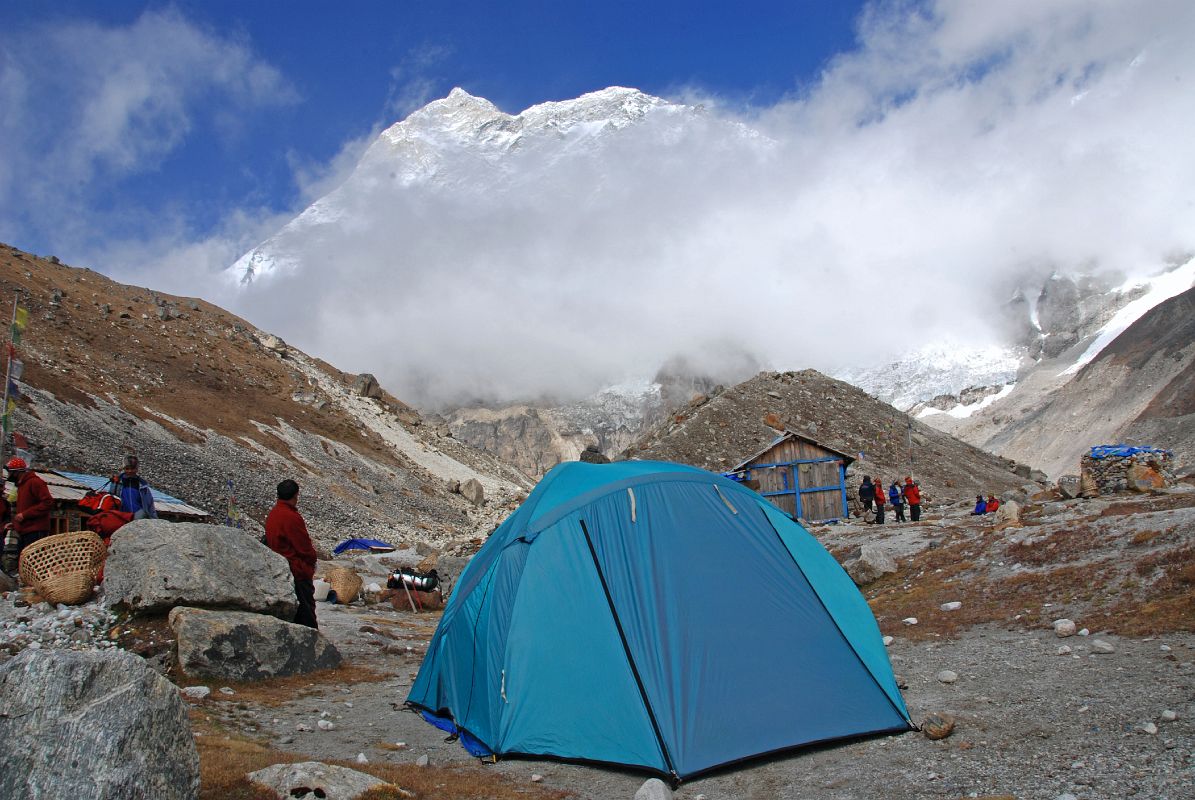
{"points": [[801, 477]]}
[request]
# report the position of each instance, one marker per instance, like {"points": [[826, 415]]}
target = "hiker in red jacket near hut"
{"points": [[913, 498], [286, 535], [31, 513], [880, 498]]}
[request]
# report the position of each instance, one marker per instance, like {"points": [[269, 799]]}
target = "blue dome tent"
{"points": [[655, 616]]}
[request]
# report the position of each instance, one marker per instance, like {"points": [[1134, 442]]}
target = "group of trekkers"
{"points": [[988, 506], [25, 507], [872, 494]]}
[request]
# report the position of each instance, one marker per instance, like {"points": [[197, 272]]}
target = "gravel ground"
{"points": [[1030, 723]]}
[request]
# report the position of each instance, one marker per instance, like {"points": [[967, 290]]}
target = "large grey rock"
{"points": [[1068, 486], [1009, 511], [319, 779], [155, 565], [472, 491], [89, 725], [366, 385], [240, 646], [448, 569], [870, 564]]}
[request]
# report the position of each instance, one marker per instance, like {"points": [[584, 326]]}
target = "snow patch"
{"points": [[963, 411], [1161, 289]]}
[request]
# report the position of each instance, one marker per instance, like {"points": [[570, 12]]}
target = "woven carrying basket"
{"points": [[345, 583], [63, 568]]}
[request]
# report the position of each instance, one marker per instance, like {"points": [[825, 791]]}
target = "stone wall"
{"points": [[1139, 472]]}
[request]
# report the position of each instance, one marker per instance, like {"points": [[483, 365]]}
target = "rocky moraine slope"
{"points": [[217, 409]]}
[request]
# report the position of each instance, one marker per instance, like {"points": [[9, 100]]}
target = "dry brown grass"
{"points": [[1061, 546], [1144, 537], [278, 691], [225, 760], [1166, 603]]}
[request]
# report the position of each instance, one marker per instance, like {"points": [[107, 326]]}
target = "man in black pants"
{"points": [[286, 535]]}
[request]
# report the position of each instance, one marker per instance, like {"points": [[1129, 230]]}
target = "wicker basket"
{"points": [[63, 568], [345, 582]]}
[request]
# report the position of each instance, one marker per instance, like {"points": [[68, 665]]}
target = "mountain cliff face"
{"points": [[1137, 390], [1121, 377], [218, 410]]}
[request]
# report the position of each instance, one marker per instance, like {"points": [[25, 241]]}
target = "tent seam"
{"points": [[651, 714]]}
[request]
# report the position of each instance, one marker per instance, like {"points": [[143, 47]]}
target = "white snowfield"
{"points": [[1161, 289]]}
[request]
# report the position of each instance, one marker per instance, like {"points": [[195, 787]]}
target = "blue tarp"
{"points": [[362, 544], [1123, 451], [604, 621]]}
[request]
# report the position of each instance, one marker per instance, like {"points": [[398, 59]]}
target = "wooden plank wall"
{"points": [[814, 505]]}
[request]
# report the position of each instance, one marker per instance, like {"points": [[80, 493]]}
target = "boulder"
{"points": [[592, 455], [1144, 478], [1009, 511], [937, 726], [240, 646], [449, 568], [274, 344], [154, 565], [870, 564], [93, 725], [472, 491], [315, 779], [366, 385], [1068, 486]]}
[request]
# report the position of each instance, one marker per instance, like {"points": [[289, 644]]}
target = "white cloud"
{"points": [[893, 202], [87, 106]]}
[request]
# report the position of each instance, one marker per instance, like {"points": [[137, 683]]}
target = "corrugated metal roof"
{"points": [[77, 484]]}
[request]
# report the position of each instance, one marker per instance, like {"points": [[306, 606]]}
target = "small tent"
{"points": [[656, 616]]}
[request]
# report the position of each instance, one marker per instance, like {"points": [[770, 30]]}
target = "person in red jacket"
{"points": [[31, 513], [286, 535], [880, 498], [913, 498]]}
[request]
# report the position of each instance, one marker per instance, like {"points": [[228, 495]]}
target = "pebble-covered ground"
{"points": [[1038, 716]]}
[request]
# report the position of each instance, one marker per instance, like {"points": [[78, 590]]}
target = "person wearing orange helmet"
{"points": [[31, 512]]}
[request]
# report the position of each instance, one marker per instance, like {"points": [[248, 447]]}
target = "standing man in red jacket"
{"points": [[913, 496], [31, 513], [286, 535]]}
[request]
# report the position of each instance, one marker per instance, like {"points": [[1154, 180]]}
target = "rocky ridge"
{"points": [[219, 412], [718, 431]]}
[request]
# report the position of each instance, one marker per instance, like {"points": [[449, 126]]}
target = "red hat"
{"points": [[16, 463]]}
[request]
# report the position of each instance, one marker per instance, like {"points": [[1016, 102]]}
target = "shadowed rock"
{"points": [[241, 646]]}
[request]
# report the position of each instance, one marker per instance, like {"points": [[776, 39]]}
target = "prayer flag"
{"points": [[15, 368], [15, 335], [21, 318], [13, 390], [19, 441]]}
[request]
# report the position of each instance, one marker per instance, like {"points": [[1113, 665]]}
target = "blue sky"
{"points": [[900, 169], [335, 74]]}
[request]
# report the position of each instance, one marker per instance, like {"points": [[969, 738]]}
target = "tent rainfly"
{"points": [[654, 616]]}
